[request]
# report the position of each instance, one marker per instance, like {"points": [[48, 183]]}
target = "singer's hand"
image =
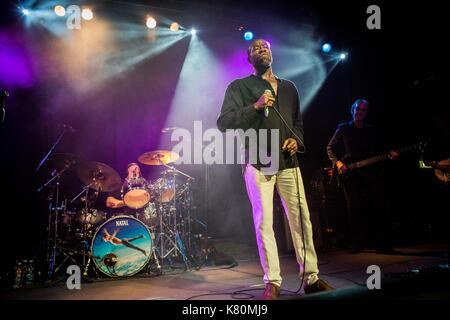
{"points": [[266, 100], [290, 145]]}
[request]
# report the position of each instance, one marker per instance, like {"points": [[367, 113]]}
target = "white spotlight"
{"points": [[193, 32], [343, 56], [25, 12], [87, 14], [151, 23], [174, 27], [60, 11]]}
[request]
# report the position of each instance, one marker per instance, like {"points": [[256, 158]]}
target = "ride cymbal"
{"points": [[99, 176], [158, 157]]}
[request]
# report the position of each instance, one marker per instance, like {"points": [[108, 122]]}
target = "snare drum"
{"points": [[121, 246], [136, 193]]}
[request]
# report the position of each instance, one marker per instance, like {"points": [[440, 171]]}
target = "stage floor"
{"points": [[338, 268]]}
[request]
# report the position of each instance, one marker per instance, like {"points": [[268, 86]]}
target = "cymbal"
{"points": [[99, 176], [66, 160], [158, 157]]}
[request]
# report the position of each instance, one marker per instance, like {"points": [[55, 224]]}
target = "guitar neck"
{"points": [[366, 162], [373, 160]]}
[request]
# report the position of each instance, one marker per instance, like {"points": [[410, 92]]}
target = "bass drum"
{"points": [[121, 246]]}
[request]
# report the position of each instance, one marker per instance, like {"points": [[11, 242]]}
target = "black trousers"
{"points": [[367, 211]]}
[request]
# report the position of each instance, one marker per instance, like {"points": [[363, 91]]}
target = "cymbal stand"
{"points": [[173, 236], [85, 214], [176, 244], [56, 209]]}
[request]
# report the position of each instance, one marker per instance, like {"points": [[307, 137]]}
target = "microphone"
{"points": [[266, 109], [164, 130]]}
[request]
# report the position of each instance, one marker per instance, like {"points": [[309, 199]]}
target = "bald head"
{"points": [[259, 54]]}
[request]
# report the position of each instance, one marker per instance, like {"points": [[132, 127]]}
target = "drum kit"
{"points": [[151, 228]]}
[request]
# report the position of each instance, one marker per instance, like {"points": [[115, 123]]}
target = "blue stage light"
{"points": [[326, 47], [248, 35]]}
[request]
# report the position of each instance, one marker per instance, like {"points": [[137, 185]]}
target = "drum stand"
{"points": [[67, 252], [51, 257], [155, 256], [85, 245], [168, 242], [169, 234]]}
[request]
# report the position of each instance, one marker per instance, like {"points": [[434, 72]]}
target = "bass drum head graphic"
{"points": [[121, 246]]}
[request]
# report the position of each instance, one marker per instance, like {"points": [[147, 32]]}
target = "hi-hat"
{"points": [[158, 157], [99, 176]]}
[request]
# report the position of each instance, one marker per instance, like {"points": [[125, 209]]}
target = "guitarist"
{"points": [[354, 141]]}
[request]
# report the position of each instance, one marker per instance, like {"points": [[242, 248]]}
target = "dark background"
{"points": [[399, 69]]}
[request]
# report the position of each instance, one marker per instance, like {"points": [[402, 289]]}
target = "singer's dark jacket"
{"points": [[238, 112]]}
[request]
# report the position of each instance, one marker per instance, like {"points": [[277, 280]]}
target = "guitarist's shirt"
{"points": [[351, 144]]}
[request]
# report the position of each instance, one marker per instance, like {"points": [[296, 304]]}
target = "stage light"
{"points": [[25, 12], [60, 11], [248, 35], [174, 27], [87, 14], [151, 23], [193, 32], [326, 47], [343, 56]]}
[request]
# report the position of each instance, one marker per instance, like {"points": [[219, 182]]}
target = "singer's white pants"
{"points": [[260, 190]]}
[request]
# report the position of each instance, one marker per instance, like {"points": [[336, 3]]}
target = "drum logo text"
{"points": [[121, 223]]}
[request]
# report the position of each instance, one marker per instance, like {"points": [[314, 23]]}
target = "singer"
{"points": [[264, 101]]}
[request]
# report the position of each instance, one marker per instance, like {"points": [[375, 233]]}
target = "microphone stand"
{"points": [[206, 207], [51, 149], [3, 96]]}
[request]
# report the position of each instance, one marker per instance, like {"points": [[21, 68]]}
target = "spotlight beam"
{"points": [[126, 60]]}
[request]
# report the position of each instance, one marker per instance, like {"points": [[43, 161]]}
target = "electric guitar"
{"points": [[370, 161]]}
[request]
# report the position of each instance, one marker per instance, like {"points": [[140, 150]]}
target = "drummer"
{"points": [[133, 175]]}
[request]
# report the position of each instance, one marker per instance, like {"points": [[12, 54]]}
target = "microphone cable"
{"points": [[297, 179]]}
